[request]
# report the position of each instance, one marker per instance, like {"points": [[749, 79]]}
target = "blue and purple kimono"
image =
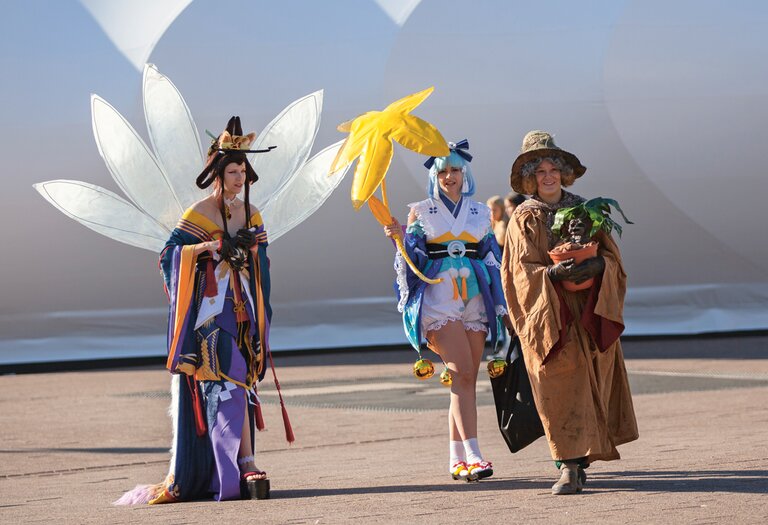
{"points": [[218, 332]]}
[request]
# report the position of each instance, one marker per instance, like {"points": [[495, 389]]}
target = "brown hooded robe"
{"points": [[569, 339]]}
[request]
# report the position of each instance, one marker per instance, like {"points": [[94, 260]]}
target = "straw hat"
{"points": [[537, 144]]}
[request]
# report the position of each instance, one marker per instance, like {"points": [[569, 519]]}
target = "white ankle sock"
{"points": [[457, 452], [472, 450]]}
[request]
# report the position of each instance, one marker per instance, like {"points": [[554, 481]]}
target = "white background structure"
{"points": [[664, 102]]}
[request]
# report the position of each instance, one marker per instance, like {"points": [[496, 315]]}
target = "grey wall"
{"points": [[665, 103]]}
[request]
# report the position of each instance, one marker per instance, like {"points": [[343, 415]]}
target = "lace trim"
{"points": [[490, 260], [402, 281], [501, 310], [415, 228], [245, 460], [437, 325], [418, 208], [475, 326], [485, 218]]}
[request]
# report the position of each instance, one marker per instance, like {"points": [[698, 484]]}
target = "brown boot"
{"points": [[569, 482]]}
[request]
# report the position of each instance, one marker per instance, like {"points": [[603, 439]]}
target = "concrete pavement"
{"points": [[371, 447]]}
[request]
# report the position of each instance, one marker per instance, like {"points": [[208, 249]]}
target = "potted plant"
{"points": [[577, 226]]}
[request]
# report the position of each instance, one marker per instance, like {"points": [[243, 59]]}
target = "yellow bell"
{"points": [[423, 369], [496, 368], [445, 377]]}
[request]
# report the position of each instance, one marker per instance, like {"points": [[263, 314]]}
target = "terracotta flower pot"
{"points": [[564, 252]]}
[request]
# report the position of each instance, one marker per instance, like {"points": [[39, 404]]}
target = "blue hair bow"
{"points": [[460, 148]]}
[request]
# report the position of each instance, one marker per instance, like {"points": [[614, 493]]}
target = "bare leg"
{"points": [[453, 431], [454, 347], [246, 450], [477, 343]]}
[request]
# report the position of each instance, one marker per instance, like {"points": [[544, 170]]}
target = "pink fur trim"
{"points": [[140, 495]]}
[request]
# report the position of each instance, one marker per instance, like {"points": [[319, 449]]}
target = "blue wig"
{"points": [[454, 160]]}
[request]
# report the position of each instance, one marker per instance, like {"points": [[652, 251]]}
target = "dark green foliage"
{"points": [[597, 211]]}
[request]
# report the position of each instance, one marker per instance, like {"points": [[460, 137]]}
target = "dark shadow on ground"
{"points": [[487, 485], [741, 345], [739, 481], [751, 345], [91, 450], [736, 345]]}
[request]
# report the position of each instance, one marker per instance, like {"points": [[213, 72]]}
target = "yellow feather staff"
{"points": [[370, 138]]}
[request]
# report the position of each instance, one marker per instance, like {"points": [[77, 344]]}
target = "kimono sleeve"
{"points": [[406, 281], [177, 238], [259, 251], [490, 253]]}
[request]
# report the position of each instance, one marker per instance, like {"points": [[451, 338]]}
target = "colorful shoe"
{"points": [[459, 470], [477, 471]]}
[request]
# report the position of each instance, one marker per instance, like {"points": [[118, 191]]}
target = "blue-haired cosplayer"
{"points": [[452, 241]]}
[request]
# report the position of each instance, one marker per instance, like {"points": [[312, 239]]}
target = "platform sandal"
{"points": [[252, 488], [480, 470], [459, 471]]}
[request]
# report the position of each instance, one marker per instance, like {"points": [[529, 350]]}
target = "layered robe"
{"points": [[570, 340], [218, 331]]}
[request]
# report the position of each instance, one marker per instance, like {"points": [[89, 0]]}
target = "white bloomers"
{"points": [[439, 307]]}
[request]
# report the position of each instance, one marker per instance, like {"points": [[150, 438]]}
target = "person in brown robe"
{"points": [[570, 340]]}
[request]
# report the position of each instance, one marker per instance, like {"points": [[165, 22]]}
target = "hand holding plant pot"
{"points": [[561, 271], [582, 223]]}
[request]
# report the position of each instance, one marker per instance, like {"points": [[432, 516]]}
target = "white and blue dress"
{"points": [[454, 242]]}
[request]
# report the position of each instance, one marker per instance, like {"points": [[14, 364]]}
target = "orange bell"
{"points": [[423, 369], [496, 368]]}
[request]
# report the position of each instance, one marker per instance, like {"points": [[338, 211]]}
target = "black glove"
{"points": [[228, 248], [245, 238], [560, 271], [587, 269], [236, 256]]}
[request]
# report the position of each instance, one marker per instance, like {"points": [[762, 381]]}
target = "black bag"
{"points": [[516, 412]]}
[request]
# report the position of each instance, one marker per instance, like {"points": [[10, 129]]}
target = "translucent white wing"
{"points": [[293, 131], [173, 135], [303, 195], [132, 165], [104, 212]]}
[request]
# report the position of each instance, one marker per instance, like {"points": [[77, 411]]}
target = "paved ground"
{"points": [[371, 446]]}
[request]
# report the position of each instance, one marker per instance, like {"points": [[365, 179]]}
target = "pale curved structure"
{"points": [[664, 102], [157, 181]]}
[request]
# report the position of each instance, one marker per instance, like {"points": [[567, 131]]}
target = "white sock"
{"points": [[457, 452], [472, 449]]}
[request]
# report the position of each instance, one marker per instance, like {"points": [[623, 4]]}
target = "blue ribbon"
{"points": [[460, 148]]}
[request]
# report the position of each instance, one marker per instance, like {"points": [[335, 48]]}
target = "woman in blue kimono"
{"points": [[218, 285], [449, 237]]}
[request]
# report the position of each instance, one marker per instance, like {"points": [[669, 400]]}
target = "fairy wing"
{"points": [[303, 194], [161, 184], [132, 164], [293, 131], [173, 135], [104, 212]]}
